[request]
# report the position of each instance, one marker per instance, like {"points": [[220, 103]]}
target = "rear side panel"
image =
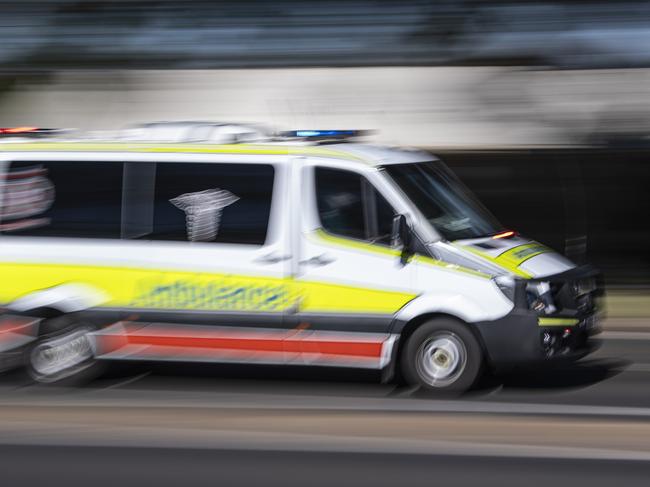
{"points": [[197, 301]]}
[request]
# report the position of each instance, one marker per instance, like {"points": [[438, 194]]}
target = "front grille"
{"points": [[585, 303], [562, 341], [573, 297]]}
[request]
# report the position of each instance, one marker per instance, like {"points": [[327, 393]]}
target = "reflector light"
{"points": [[17, 130], [507, 234]]}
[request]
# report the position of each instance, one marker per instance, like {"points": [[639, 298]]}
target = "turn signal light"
{"points": [[507, 234]]}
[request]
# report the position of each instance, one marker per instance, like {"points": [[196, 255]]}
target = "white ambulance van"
{"points": [[304, 250]]}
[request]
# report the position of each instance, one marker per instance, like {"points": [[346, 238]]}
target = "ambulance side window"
{"points": [[349, 206], [385, 215], [212, 202], [76, 199]]}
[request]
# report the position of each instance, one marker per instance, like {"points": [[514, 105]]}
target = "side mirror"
{"points": [[402, 237]]}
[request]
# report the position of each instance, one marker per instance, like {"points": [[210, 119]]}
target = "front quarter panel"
{"points": [[468, 296]]}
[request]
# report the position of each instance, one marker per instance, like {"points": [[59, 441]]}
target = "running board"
{"points": [[191, 343]]}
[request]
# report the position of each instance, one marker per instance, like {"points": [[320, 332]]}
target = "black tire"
{"points": [[443, 356], [41, 357]]}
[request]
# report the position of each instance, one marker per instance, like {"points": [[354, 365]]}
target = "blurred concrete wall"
{"points": [[426, 106], [594, 195]]}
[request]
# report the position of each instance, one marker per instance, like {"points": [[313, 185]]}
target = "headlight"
{"points": [[507, 286], [584, 286], [540, 298]]}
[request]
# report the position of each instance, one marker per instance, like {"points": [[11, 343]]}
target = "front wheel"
{"points": [[63, 353], [442, 355]]}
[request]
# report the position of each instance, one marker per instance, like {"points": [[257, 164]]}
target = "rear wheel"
{"points": [[63, 352], [442, 355]]}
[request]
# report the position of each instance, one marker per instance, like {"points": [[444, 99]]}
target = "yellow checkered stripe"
{"points": [[181, 290], [245, 149], [557, 321], [325, 237], [513, 258]]}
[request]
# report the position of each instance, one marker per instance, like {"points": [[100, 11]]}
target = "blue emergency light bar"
{"points": [[325, 134]]}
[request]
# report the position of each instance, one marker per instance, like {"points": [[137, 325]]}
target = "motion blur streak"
{"points": [[540, 107]]}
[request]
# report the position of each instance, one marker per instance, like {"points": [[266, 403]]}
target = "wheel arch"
{"points": [[57, 300], [406, 329]]}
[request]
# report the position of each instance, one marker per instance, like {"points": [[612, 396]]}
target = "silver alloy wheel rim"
{"points": [[62, 356], [441, 359]]}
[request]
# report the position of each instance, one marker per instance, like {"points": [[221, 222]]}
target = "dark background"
{"points": [[595, 198], [589, 197]]}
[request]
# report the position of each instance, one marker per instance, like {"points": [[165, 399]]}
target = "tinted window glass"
{"points": [[350, 207], [62, 199], [212, 202], [339, 199], [443, 200], [385, 215]]}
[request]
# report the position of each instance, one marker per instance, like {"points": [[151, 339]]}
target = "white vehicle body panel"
{"points": [[326, 281], [547, 264]]}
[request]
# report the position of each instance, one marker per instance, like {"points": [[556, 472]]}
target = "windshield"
{"points": [[444, 201]]}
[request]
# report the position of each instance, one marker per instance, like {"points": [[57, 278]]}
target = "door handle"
{"points": [[318, 260], [271, 258]]}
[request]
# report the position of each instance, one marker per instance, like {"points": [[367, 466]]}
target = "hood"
{"points": [[518, 255]]}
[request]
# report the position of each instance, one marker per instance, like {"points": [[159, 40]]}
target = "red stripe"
{"points": [[17, 324], [243, 355], [281, 344], [331, 347]]}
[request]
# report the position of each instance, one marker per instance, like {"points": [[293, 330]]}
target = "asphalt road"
{"points": [[109, 467], [587, 424]]}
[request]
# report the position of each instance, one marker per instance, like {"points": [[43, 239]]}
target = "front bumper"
{"points": [[524, 337], [519, 339]]}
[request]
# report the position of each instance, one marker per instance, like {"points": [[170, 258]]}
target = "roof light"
{"points": [[325, 134], [508, 234], [29, 132]]}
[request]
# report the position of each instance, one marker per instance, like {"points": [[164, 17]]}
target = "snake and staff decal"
{"points": [[203, 212]]}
